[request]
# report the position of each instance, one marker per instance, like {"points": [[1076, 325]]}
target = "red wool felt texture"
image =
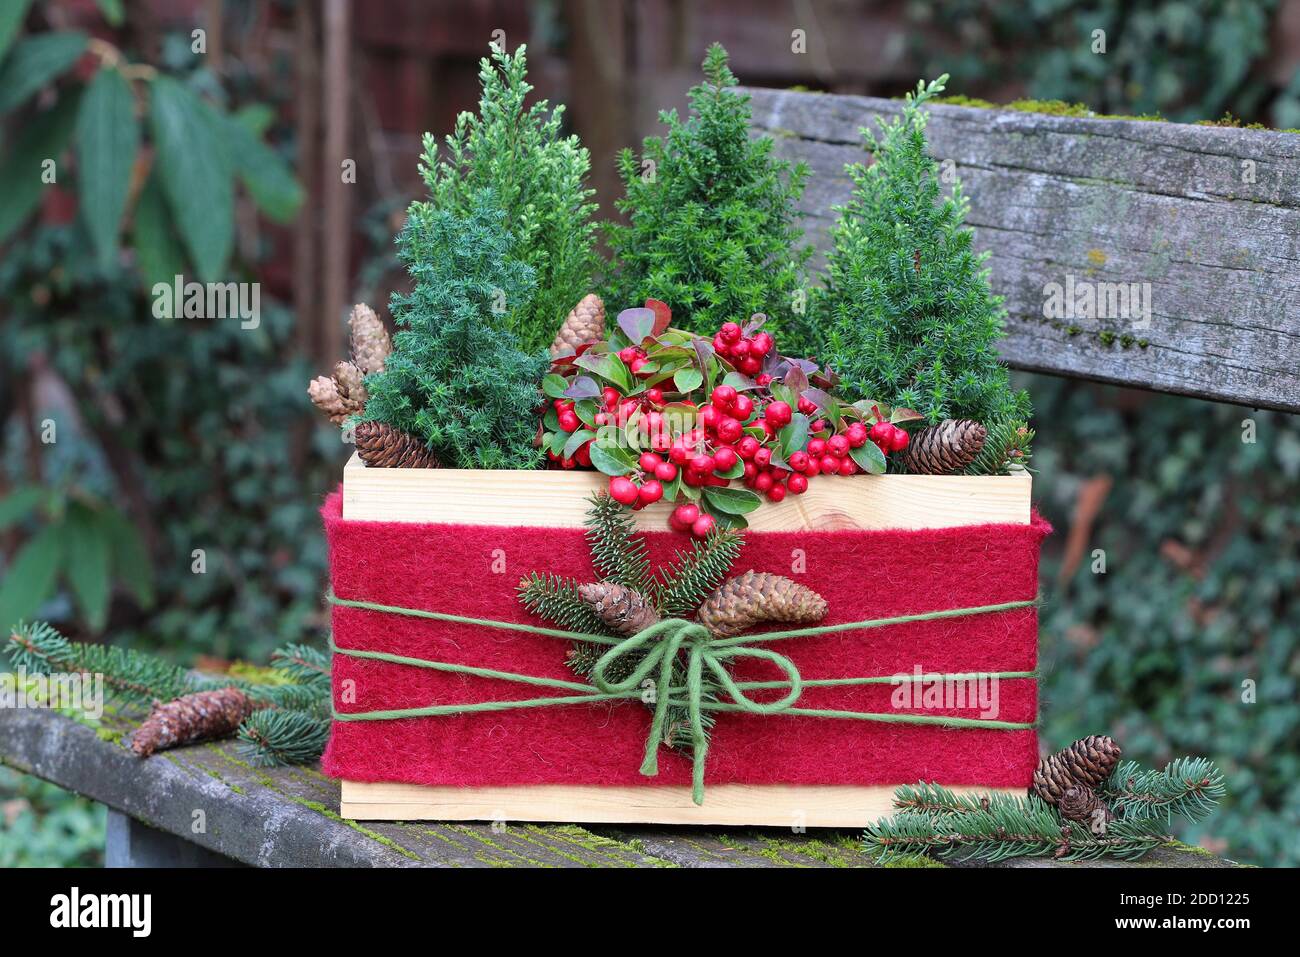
{"points": [[475, 571]]}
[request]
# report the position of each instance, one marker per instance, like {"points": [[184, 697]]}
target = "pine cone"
{"points": [[351, 382], [202, 716], [622, 609], [326, 396], [944, 448], [1086, 763], [383, 447], [755, 597], [585, 323], [1081, 804], [369, 339]]}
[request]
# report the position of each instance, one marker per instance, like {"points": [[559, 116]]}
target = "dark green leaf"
{"points": [[794, 436], [18, 504], [612, 459], [44, 138], [86, 565], [129, 558], [158, 253], [112, 11], [869, 458], [12, 14], [29, 580], [108, 139], [264, 173], [554, 385], [688, 380], [36, 61], [733, 501], [576, 440], [196, 173]]}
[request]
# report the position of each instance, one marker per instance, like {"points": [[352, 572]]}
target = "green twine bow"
{"points": [[661, 644]]}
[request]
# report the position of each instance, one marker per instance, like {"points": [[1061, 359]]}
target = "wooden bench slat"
{"points": [[1119, 201]]}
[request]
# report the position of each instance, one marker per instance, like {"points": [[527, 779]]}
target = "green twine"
{"points": [[659, 645]]}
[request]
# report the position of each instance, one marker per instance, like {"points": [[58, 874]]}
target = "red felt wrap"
{"points": [[475, 570]]}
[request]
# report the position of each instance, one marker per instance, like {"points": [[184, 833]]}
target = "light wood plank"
{"points": [[559, 499], [775, 805]]}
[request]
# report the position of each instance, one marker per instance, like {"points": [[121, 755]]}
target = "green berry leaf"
{"points": [[732, 501], [869, 458]]}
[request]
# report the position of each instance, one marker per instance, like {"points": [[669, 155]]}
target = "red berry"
{"points": [[649, 461], [814, 468], [898, 441], [762, 344], [776, 493], [750, 365], [654, 396], [628, 354], [764, 380], [807, 406], [610, 396], [848, 467], [693, 477], [622, 490], [721, 346], [798, 461], [729, 429], [838, 446], [798, 484], [724, 395], [677, 454], [763, 481], [763, 457], [747, 447], [830, 464], [816, 447], [724, 458], [740, 348], [684, 516], [779, 475], [665, 471], [637, 364], [703, 463], [651, 491], [742, 407], [856, 434], [819, 425], [730, 331], [751, 470], [567, 463], [569, 421], [563, 405], [701, 527], [778, 413], [709, 417], [882, 433], [627, 407], [583, 455]]}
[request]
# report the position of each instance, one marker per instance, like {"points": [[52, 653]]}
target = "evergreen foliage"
{"points": [[1008, 443], [1188, 787], [456, 378], [907, 312], [712, 225], [617, 552], [290, 726], [694, 575], [538, 177]]}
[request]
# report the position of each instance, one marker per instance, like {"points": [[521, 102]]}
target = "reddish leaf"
{"points": [[663, 315]]}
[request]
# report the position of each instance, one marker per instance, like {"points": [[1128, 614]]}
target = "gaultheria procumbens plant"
{"points": [[712, 224], [907, 313], [457, 377], [538, 177]]}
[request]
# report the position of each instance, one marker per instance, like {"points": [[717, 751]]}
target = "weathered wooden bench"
{"points": [[1208, 217]]}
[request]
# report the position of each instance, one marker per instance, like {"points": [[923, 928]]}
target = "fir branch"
{"points": [[929, 798], [1006, 826], [555, 598], [303, 665], [275, 737], [1008, 445], [1187, 787], [617, 552], [694, 575]]}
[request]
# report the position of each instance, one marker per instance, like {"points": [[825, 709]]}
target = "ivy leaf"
{"points": [[732, 501], [108, 139], [29, 579], [35, 62], [637, 324], [44, 138], [869, 458], [196, 173]]}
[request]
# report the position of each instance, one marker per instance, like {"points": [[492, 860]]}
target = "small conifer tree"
{"points": [[457, 378], [907, 313], [538, 177], [712, 225]]}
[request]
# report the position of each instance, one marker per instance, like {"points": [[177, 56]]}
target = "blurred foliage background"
{"points": [[185, 434]]}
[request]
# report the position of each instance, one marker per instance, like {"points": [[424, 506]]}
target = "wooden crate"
{"points": [[559, 499]]}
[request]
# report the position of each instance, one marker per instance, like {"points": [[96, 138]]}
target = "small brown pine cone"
{"points": [[1086, 763], [202, 716], [369, 339], [585, 323], [1081, 804], [383, 447], [325, 395], [754, 597], [351, 382], [622, 609], [947, 447]]}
